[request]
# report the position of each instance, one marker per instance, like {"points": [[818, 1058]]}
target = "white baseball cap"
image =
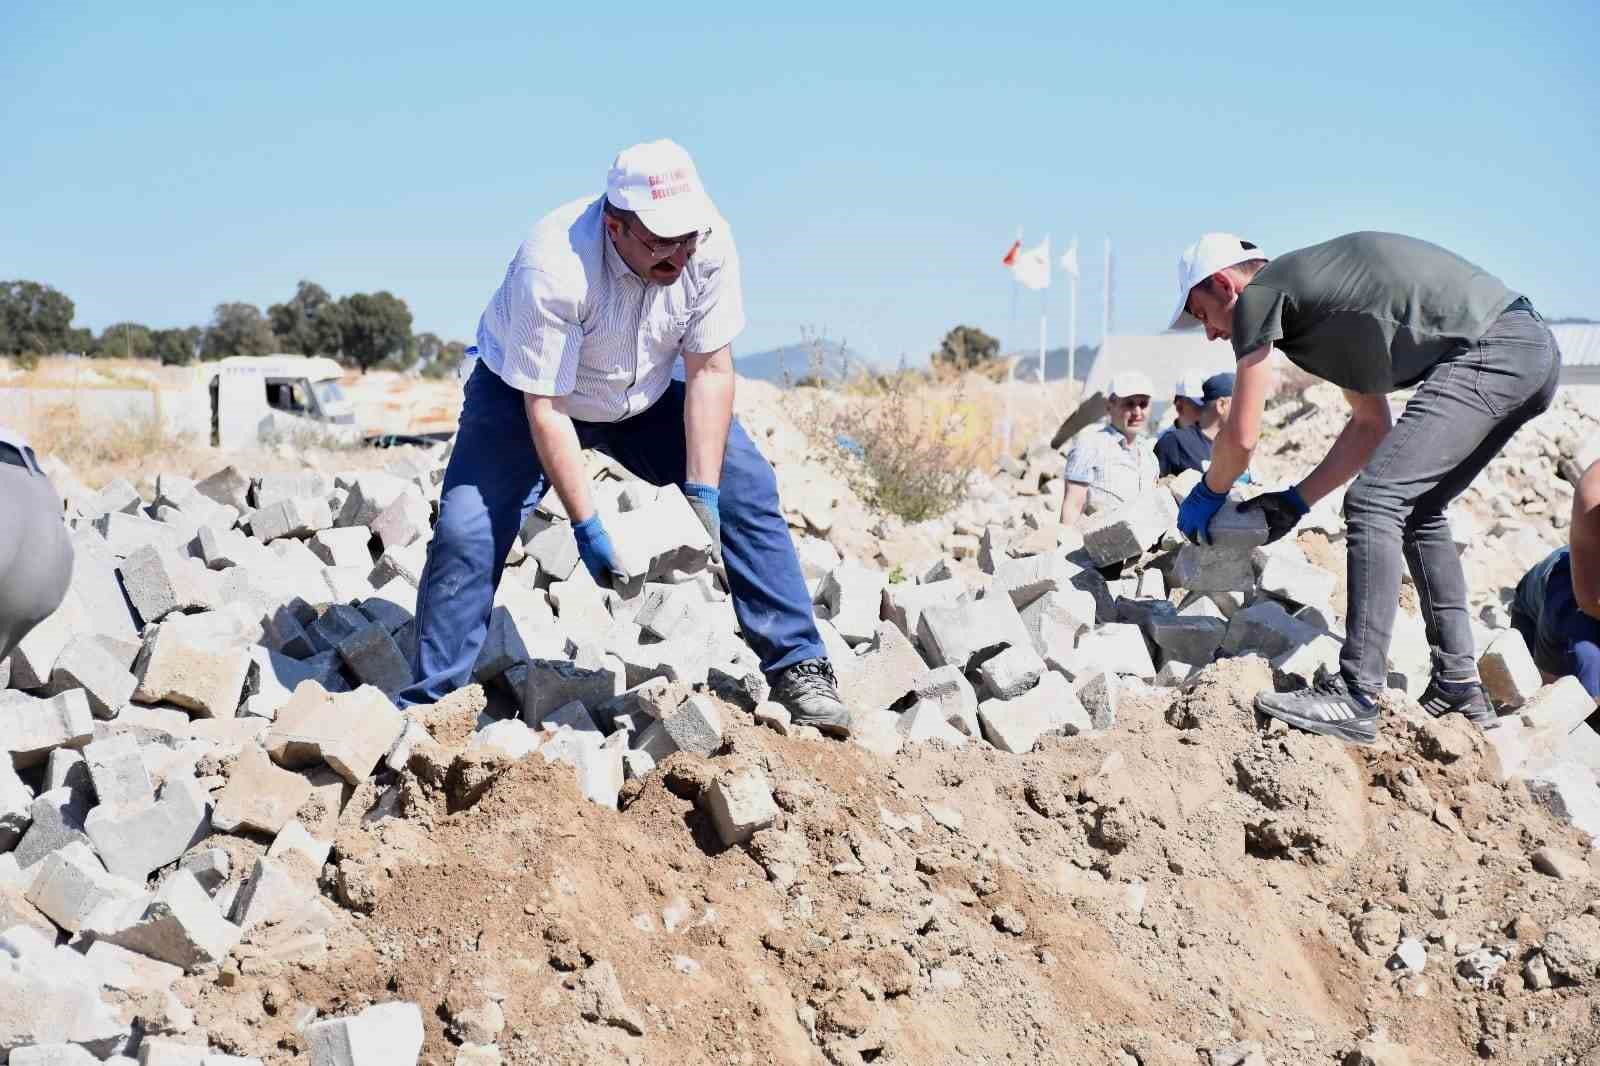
{"points": [[1211, 253], [1191, 386], [1129, 383], [658, 181]]}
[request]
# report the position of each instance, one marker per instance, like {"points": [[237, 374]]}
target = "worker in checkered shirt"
{"points": [[1113, 463], [613, 330]]}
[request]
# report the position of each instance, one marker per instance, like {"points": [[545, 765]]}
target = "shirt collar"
{"points": [[1116, 436], [614, 261]]}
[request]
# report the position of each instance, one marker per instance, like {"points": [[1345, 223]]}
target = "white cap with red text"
{"points": [[1211, 253], [658, 181]]}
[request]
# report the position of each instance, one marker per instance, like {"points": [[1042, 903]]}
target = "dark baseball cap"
{"points": [[1217, 386]]}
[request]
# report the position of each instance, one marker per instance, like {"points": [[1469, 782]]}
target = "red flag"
{"points": [[1010, 259]]}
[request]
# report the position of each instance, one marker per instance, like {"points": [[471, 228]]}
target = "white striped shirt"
{"points": [[571, 319], [1115, 469]]}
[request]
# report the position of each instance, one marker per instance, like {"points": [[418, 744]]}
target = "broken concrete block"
{"points": [[1099, 691], [552, 546], [137, 838], [297, 516], [1561, 705], [388, 1034], [33, 659], [512, 738], [210, 866], [1266, 629], [30, 728], [1508, 671], [877, 732], [53, 1055], [71, 884], [903, 603], [1049, 707], [554, 683], [271, 488], [259, 795], [374, 658], [1028, 578], [45, 1000], [227, 487], [853, 595], [1233, 528], [1055, 620], [600, 771], [1297, 667], [392, 604], [1200, 568], [186, 665], [88, 664], [66, 768], [1298, 582], [739, 806], [119, 495], [886, 672], [370, 492], [273, 678], [104, 610], [1011, 672], [275, 891], [965, 634], [1126, 531], [660, 538], [350, 731], [1187, 638], [405, 521], [1117, 646], [117, 770], [948, 688], [666, 611], [1570, 792], [694, 725], [181, 925], [406, 563], [161, 582], [125, 534], [927, 720]]}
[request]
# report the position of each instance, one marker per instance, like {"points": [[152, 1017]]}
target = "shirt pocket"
{"points": [[666, 331]]}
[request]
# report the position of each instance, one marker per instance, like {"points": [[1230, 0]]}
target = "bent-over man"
{"points": [[578, 349], [1374, 313]]}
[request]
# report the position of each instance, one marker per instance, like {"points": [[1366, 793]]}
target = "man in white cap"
{"points": [[612, 330], [1113, 463], [1188, 399], [1374, 313]]}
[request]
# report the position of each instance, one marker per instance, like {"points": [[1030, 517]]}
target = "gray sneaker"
{"points": [[810, 692], [1328, 707]]}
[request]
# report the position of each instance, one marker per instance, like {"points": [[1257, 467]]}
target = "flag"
{"points": [[1069, 259], [1031, 266], [1010, 258]]}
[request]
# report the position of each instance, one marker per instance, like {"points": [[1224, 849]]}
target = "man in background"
{"points": [[1112, 464], [1189, 447], [1557, 606], [1186, 400]]}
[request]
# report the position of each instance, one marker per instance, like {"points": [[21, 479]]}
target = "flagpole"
{"points": [[1072, 331], [1105, 313]]}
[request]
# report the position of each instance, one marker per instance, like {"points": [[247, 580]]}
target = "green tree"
{"points": [[176, 347], [446, 360], [34, 318], [238, 329], [966, 347], [308, 323], [374, 327], [125, 340]]}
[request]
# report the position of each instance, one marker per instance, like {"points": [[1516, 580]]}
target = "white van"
{"points": [[284, 396]]}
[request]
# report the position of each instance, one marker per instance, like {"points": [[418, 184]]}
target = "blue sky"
{"points": [[874, 163]]}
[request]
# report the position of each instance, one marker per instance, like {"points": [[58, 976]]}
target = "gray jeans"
{"points": [[35, 553], [1466, 409]]}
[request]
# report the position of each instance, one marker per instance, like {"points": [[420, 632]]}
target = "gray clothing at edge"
{"points": [[35, 553], [1470, 403]]}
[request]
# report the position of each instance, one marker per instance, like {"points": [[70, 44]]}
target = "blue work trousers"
{"points": [[495, 479]]}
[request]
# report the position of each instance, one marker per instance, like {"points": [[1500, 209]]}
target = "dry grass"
{"points": [[99, 450]]}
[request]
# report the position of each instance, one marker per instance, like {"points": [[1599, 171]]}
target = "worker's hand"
{"points": [[704, 500], [594, 548], [1199, 508], [1282, 509]]}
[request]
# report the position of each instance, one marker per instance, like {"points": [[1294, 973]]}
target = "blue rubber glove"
{"points": [[1282, 510], [704, 501], [594, 548], [1199, 508]]}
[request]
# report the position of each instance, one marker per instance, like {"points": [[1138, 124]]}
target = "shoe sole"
{"points": [[829, 729], [1483, 719], [1341, 730]]}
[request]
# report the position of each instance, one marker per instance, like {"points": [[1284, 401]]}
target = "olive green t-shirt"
{"points": [[1371, 312]]}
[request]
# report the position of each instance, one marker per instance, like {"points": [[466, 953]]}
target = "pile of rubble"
{"points": [[208, 784]]}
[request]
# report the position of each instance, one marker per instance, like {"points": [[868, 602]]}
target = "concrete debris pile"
{"points": [[200, 739]]}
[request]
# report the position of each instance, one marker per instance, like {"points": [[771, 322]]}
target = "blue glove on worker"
{"points": [[703, 500], [1282, 509], [594, 548], [1199, 508]]}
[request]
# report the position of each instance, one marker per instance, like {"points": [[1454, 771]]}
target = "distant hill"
{"points": [[790, 363]]}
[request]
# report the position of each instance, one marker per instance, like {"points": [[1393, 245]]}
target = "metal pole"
{"points": [[1072, 335], [1105, 312]]}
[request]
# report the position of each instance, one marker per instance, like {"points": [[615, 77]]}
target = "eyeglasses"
{"points": [[1141, 402], [659, 249]]}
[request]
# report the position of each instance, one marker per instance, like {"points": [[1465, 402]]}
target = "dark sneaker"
{"points": [[810, 693], [1327, 707], [1466, 698]]}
